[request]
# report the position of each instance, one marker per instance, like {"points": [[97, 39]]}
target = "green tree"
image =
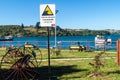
{"points": [[37, 26], [22, 25]]}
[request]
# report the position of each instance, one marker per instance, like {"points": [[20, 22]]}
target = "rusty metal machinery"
{"points": [[21, 63]]}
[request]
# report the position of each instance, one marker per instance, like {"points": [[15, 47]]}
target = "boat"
{"points": [[3, 39], [7, 38], [109, 40], [99, 41]]}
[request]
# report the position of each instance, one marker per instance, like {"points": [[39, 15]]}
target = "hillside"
{"points": [[21, 30]]}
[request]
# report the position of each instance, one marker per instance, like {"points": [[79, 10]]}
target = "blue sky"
{"points": [[75, 14]]}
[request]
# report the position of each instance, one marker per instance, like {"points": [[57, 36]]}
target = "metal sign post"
{"points": [[49, 68], [118, 52], [55, 37], [47, 19]]}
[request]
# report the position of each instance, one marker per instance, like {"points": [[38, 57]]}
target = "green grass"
{"points": [[77, 69], [80, 69], [76, 54]]}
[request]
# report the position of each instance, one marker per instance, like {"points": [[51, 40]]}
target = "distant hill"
{"points": [[21, 30]]}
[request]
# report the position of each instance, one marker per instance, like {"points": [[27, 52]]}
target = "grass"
{"points": [[77, 69], [77, 54]]}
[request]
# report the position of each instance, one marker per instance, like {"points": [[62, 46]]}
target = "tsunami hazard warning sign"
{"points": [[47, 15]]}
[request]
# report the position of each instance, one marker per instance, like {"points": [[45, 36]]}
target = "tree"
{"points": [[22, 25], [37, 26], [97, 64]]}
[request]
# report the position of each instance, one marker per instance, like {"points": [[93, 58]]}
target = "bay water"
{"points": [[62, 41]]}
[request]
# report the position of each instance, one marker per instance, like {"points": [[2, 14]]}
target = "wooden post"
{"points": [[118, 52]]}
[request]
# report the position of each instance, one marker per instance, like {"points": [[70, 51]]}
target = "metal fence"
{"points": [[60, 44]]}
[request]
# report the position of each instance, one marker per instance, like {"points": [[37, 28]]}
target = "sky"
{"points": [[73, 14]]}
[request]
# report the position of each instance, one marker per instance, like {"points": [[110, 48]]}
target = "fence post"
{"points": [[10, 44], [88, 45], [2, 43], [18, 44], [104, 47], [37, 44], [118, 52]]}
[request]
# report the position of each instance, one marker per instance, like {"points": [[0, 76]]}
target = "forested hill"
{"points": [[21, 30]]}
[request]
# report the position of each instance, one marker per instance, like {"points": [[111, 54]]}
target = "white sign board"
{"points": [[47, 15]]}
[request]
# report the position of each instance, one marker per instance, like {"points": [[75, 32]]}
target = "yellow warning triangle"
{"points": [[47, 11]]}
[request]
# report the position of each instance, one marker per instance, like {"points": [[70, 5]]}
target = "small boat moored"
{"points": [[7, 38], [99, 41]]}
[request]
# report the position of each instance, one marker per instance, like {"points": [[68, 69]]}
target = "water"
{"points": [[62, 41]]}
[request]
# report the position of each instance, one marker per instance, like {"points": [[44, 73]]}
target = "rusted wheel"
{"points": [[35, 52], [19, 64], [23, 69], [11, 56]]}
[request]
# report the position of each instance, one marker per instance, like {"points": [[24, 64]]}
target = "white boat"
{"points": [[109, 40], [7, 38], [99, 41]]}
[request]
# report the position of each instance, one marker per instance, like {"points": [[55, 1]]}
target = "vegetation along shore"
{"points": [[22, 31]]}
